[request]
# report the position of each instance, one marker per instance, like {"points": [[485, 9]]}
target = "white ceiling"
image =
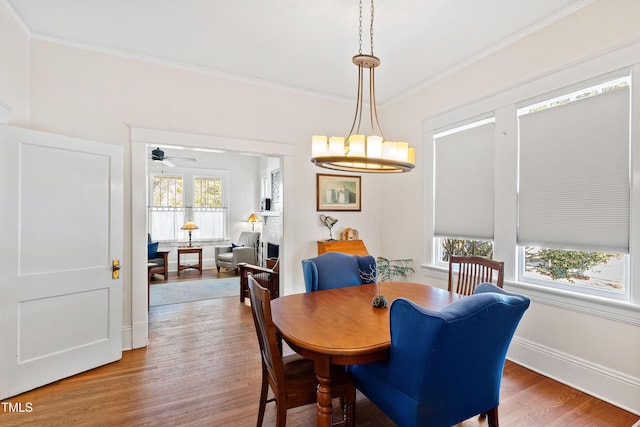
{"points": [[303, 44]]}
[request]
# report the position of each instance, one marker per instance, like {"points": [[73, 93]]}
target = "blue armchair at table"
{"points": [[445, 366], [336, 270]]}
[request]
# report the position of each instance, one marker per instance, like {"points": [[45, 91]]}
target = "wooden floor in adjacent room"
{"points": [[202, 368]]}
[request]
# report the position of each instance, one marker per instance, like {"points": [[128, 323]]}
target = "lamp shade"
{"points": [[188, 226], [253, 218]]}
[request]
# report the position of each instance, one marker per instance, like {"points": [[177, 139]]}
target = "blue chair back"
{"points": [[444, 366], [337, 270]]}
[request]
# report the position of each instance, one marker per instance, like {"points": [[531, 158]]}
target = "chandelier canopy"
{"points": [[359, 152]]}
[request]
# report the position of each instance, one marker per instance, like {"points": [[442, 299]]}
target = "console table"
{"points": [[190, 250], [353, 247]]}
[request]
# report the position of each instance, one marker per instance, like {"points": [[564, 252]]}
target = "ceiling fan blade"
{"points": [[168, 163], [190, 159]]}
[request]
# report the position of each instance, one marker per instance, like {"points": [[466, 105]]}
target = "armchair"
{"points": [[245, 250], [431, 378], [266, 277], [157, 261], [336, 270]]}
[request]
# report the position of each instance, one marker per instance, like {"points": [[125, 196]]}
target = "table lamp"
{"points": [[189, 226], [252, 220]]}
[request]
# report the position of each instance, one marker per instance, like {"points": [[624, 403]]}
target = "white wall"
{"points": [[14, 68], [596, 353]]}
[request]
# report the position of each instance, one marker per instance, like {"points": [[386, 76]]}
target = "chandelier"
{"points": [[358, 152]]}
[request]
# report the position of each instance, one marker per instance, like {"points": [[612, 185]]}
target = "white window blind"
{"points": [[464, 183], [574, 175]]}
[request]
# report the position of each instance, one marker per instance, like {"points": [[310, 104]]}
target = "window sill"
{"points": [[618, 311]]}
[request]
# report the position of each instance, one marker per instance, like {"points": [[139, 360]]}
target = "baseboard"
{"points": [[614, 387], [134, 336], [127, 338]]}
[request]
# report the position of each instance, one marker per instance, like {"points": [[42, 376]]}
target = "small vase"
{"points": [[379, 301]]}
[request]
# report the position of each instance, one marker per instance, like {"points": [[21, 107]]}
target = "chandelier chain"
{"points": [[371, 9], [360, 31], [371, 28]]}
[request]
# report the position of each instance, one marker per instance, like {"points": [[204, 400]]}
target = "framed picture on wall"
{"points": [[338, 192]]}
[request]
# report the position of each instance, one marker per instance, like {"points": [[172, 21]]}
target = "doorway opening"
{"points": [[141, 141], [225, 196]]}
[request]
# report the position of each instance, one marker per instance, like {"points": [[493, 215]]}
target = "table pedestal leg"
{"points": [[324, 401]]}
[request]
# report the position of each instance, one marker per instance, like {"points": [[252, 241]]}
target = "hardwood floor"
{"points": [[192, 274], [202, 368]]}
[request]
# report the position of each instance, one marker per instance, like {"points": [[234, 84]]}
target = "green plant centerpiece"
{"points": [[385, 271]]}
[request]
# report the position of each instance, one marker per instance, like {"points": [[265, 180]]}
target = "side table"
{"points": [[190, 250]]}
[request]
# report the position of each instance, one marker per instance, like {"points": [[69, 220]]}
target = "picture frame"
{"points": [[338, 193]]}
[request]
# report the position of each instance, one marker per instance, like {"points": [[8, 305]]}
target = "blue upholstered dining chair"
{"points": [[445, 366], [337, 270]]}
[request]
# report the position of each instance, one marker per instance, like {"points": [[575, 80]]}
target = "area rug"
{"points": [[196, 290]]}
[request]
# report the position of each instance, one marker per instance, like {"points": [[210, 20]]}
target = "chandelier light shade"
{"points": [[360, 152]]}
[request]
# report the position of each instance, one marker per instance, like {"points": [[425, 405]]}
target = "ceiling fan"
{"points": [[157, 155]]}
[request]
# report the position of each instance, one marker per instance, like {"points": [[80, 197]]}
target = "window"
{"points": [[447, 246], [178, 199], [599, 271], [464, 214], [208, 210], [166, 212], [574, 189], [544, 185]]}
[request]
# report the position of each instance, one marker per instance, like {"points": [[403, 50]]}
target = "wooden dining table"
{"points": [[341, 327]]}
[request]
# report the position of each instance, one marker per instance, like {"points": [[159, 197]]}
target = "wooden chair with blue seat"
{"points": [[336, 270], [445, 366]]}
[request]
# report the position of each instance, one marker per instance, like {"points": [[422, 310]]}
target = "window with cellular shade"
{"points": [[574, 183], [464, 183]]}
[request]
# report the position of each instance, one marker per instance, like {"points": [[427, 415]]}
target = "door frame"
{"points": [[140, 138]]}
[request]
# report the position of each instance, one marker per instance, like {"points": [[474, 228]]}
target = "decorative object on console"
{"points": [[265, 204], [189, 226], [329, 222], [253, 219], [338, 192], [349, 234], [360, 153]]}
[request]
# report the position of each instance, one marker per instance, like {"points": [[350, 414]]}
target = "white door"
{"points": [[61, 227]]}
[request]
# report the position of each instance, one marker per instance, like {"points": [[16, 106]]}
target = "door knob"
{"points": [[115, 269]]}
